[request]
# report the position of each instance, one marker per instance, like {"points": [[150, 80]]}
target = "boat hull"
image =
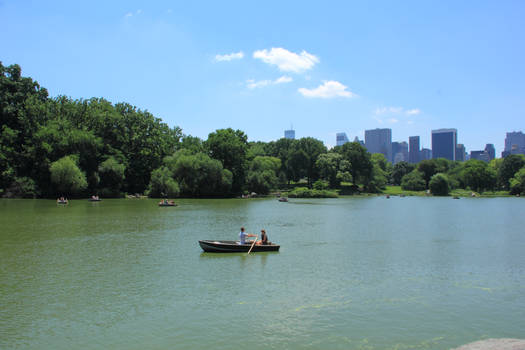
{"points": [[235, 247]]}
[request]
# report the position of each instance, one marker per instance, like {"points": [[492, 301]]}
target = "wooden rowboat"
{"points": [[235, 247]]}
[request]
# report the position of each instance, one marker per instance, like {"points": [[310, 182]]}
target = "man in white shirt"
{"points": [[243, 235]]}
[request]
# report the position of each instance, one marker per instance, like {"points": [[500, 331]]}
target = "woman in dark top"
{"points": [[264, 238]]}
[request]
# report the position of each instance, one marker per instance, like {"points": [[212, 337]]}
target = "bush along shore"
{"points": [[59, 146]]}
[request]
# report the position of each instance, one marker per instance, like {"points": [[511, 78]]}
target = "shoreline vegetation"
{"points": [[62, 147]]}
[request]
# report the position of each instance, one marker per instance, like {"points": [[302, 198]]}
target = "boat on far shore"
{"points": [[167, 203]]}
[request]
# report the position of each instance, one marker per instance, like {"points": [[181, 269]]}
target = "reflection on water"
{"points": [[358, 273]]}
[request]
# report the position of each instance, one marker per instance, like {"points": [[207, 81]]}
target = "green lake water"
{"points": [[352, 273]]}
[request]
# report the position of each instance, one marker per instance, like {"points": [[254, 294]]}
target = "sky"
{"points": [[265, 66]]}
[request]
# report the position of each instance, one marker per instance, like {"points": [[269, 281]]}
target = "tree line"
{"points": [[65, 147]]}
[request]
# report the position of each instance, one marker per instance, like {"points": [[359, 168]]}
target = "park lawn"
{"points": [[397, 191]]}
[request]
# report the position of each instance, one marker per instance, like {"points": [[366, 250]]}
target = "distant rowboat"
{"points": [[235, 247]]}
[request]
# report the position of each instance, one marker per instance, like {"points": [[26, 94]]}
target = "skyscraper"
{"points": [[444, 142], [425, 154], [413, 149], [514, 143], [399, 152], [480, 155], [460, 152], [491, 151], [289, 134], [341, 138], [379, 141]]}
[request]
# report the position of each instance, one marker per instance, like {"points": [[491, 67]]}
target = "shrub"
{"points": [[413, 181], [439, 185], [303, 192], [320, 185]]}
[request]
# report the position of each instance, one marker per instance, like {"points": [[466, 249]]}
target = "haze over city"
{"points": [[325, 68]]}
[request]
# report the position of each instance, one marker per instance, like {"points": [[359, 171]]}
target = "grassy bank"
{"points": [[398, 191]]}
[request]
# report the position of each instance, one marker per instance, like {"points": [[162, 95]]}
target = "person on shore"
{"points": [[243, 235], [264, 238]]}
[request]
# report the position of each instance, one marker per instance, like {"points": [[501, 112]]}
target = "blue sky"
{"points": [[323, 67]]}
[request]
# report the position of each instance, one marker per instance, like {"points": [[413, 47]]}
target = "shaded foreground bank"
{"points": [[495, 344]]}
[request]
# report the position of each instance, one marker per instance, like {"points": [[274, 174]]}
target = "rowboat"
{"points": [[235, 247], [167, 204], [283, 199]]}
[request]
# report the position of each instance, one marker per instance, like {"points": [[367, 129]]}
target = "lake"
{"points": [[352, 273]]}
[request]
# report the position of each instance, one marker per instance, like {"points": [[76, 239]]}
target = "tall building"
{"points": [[379, 141], [515, 142], [480, 155], [461, 154], [413, 149], [340, 138], [425, 154], [399, 152], [289, 134], [491, 151], [356, 139], [444, 143]]}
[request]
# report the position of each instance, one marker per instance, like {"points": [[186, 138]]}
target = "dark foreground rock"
{"points": [[495, 344]]}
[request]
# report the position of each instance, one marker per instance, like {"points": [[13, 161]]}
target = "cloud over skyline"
{"points": [[287, 61], [397, 110], [329, 89], [252, 84], [229, 57]]}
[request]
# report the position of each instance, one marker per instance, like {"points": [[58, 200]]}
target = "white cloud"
{"points": [[414, 111], [252, 84], [393, 120], [130, 14], [287, 61], [389, 110], [283, 79], [329, 89], [228, 57], [396, 110]]}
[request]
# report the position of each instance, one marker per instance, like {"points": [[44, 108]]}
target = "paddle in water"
{"points": [[255, 240]]}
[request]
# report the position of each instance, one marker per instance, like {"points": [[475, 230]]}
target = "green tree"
{"points": [[193, 144], [229, 147], [67, 176], [517, 183], [439, 185], [262, 174], [162, 184], [509, 167], [282, 149], [111, 174], [198, 174], [360, 163], [304, 157], [428, 168], [413, 181], [399, 170], [477, 175], [329, 166]]}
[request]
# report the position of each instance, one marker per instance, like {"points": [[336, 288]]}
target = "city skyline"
{"points": [[341, 67]]}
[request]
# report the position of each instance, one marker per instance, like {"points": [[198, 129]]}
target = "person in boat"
{"points": [[243, 235], [264, 238]]}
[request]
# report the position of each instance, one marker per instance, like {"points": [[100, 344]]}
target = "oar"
{"points": [[255, 240]]}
